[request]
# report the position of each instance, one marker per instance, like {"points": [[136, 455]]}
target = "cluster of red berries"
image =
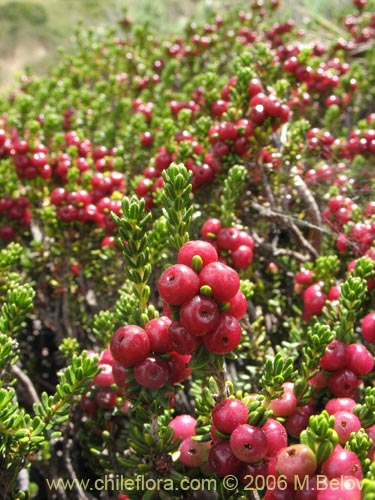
{"points": [[205, 299], [104, 194], [107, 389], [202, 165], [30, 161], [234, 246], [146, 354], [342, 367], [15, 214]]}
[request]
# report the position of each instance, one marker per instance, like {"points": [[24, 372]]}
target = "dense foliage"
{"points": [[187, 273]]}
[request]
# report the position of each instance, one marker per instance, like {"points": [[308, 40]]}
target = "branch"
{"points": [[316, 230], [291, 222], [27, 384]]}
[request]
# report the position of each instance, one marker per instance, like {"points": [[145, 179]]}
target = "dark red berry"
{"points": [[152, 373]]}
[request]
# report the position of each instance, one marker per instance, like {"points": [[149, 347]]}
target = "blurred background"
{"points": [[32, 31]]}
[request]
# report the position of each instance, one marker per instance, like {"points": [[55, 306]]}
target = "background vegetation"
{"points": [[32, 31]]}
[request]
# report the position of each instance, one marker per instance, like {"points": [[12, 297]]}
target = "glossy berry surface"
{"points": [[152, 373], [296, 461], [200, 315], [130, 344], [222, 460], [225, 337], [223, 281], [178, 284], [248, 443], [229, 414]]}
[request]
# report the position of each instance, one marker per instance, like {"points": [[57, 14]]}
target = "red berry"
{"points": [[157, 331], [229, 414], [106, 398], [368, 328], [248, 443], [130, 345], [335, 356], [105, 377], [242, 257], [152, 373], [200, 315], [179, 367], [225, 337], [222, 460], [203, 249], [277, 437], [343, 383], [178, 284], [181, 340], [210, 227], [223, 280], [238, 305], [228, 238]]}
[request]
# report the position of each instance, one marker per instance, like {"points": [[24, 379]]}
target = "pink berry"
{"points": [[297, 460], [248, 443], [193, 453], [360, 359], [345, 487], [229, 414], [342, 462], [340, 404], [277, 437], [368, 328], [345, 424], [183, 426], [286, 404]]}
